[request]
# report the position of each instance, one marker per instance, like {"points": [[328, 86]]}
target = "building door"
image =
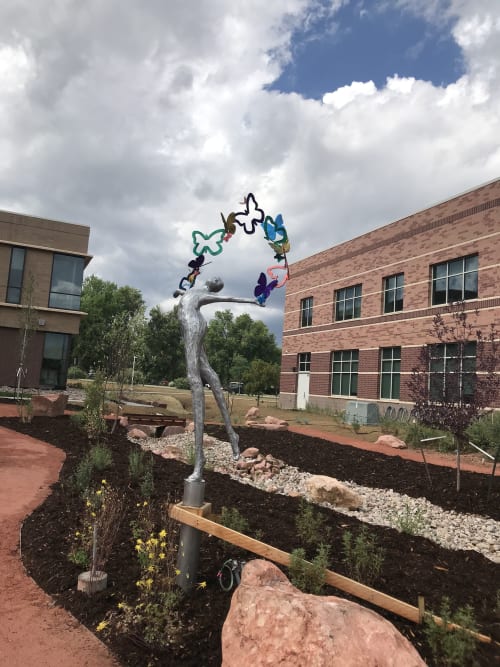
{"points": [[302, 391], [55, 360]]}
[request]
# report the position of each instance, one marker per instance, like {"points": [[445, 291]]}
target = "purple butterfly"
{"points": [[264, 289], [251, 217]]}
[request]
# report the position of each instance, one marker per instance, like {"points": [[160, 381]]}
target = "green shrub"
{"points": [[231, 518], [451, 647], [92, 413], [388, 425], [485, 432], [147, 483], [310, 524], [415, 432], [83, 475], [409, 520], [180, 383], [355, 425], [101, 457], [76, 373], [363, 557], [136, 465], [309, 577]]}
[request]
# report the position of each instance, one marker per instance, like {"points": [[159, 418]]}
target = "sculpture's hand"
{"points": [[258, 303]]}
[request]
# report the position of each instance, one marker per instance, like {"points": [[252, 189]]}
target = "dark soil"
{"points": [[412, 566]]}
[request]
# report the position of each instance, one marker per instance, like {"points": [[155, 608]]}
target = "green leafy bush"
{"points": [[415, 432], [309, 577], [180, 383], [451, 647], [76, 373], [83, 475], [363, 557], [409, 520], [101, 457], [485, 432], [310, 524], [231, 518]]}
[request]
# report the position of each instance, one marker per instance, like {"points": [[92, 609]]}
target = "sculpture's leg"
{"points": [[198, 397], [212, 378]]}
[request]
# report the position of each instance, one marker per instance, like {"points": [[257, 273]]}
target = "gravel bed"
{"points": [[381, 507]]}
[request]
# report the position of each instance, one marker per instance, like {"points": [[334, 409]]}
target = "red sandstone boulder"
{"points": [[272, 623], [49, 405], [250, 453], [391, 441], [172, 430], [323, 489], [137, 433], [275, 420]]}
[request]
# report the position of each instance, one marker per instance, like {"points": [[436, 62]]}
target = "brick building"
{"points": [[357, 314], [46, 259]]}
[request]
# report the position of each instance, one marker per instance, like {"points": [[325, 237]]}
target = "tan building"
{"points": [[44, 259], [357, 315]]}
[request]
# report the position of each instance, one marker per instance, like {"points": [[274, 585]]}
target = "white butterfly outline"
{"points": [[249, 215]]}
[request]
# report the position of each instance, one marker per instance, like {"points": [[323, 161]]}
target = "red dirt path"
{"points": [[33, 630]]}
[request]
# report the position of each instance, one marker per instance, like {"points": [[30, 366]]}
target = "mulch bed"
{"points": [[412, 566]]}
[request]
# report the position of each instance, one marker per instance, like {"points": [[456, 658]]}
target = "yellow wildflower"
{"points": [[88, 503], [77, 533], [138, 547], [145, 503], [162, 533], [101, 626], [103, 481], [121, 605], [149, 583], [93, 513], [151, 568], [163, 545], [98, 493], [151, 555], [177, 572], [161, 556], [202, 584]]}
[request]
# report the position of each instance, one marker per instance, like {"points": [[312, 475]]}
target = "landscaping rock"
{"points": [[275, 420], [172, 430], [391, 441], [252, 413], [323, 489], [270, 622], [49, 405], [250, 453], [137, 433]]}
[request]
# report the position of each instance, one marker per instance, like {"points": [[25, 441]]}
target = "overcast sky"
{"points": [[146, 119]]}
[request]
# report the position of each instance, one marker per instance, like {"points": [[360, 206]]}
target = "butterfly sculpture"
{"points": [[251, 217], [229, 226], [264, 289], [195, 266], [211, 243]]}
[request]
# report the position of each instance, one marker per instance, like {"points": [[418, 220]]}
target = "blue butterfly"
{"points": [[263, 289], [251, 217]]}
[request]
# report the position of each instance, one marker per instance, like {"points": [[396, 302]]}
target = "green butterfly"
{"points": [[212, 243]]}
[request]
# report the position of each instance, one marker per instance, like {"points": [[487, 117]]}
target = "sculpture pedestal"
{"points": [[189, 541]]}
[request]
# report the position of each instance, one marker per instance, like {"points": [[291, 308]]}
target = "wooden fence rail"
{"points": [[192, 516]]}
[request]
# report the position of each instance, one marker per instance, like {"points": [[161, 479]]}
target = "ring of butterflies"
{"points": [[251, 219]]}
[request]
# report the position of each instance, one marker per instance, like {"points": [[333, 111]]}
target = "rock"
{"points": [[189, 427], [323, 489], [275, 420], [250, 453], [172, 452], [123, 421], [252, 413], [137, 433], [49, 405], [268, 427], [148, 429], [244, 465], [391, 441], [272, 623], [172, 430]]}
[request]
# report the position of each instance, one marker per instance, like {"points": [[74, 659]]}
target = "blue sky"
{"points": [[145, 120], [360, 44]]}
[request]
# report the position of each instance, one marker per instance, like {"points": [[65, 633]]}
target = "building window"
{"points": [[455, 280], [15, 279], [55, 360], [390, 369], [306, 312], [304, 362], [345, 372], [348, 303], [66, 284], [452, 372], [393, 293]]}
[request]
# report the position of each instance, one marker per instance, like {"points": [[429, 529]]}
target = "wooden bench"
{"points": [[160, 421]]}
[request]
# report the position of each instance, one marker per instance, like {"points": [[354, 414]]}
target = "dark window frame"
{"points": [[73, 297], [449, 280], [390, 368], [12, 287], [306, 312], [344, 373], [451, 371], [348, 303], [396, 291], [304, 362]]}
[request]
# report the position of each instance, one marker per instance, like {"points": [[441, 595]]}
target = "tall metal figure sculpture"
{"points": [[199, 371]]}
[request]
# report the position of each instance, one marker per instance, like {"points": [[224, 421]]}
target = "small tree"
{"points": [[456, 378], [27, 327], [260, 377]]}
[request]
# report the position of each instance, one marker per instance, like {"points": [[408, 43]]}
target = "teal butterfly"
{"points": [[211, 243]]}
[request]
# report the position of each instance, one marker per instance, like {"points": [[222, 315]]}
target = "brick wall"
{"points": [[468, 224]]}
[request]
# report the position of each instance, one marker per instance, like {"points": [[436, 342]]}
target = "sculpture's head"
{"points": [[214, 284]]}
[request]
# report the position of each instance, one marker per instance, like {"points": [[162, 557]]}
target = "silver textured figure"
{"points": [[199, 371]]}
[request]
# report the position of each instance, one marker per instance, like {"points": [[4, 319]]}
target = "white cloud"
{"points": [[146, 120]]}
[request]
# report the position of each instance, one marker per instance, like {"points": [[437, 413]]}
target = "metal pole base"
{"points": [[189, 543]]}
